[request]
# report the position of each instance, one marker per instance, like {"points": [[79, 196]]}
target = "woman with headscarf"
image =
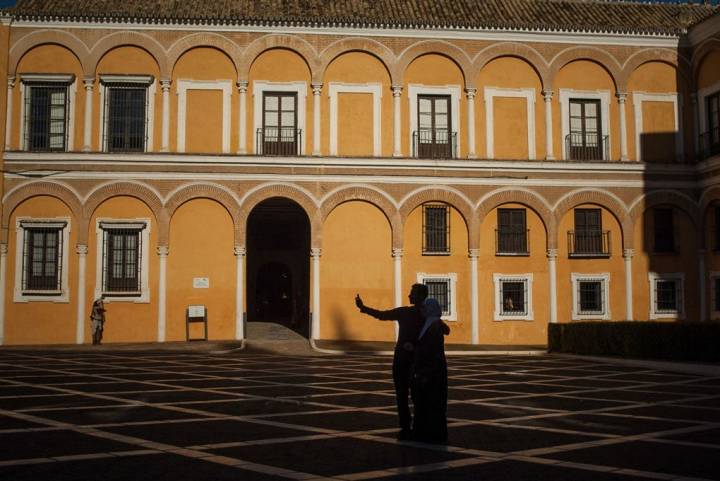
{"points": [[430, 384]]}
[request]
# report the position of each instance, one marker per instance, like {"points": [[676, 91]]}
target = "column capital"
{"points": [[165, 84], [397, 252], [162, 251], [315, 252], [11, 82], [3, 249], [81, 249], [239, 251], [548, 95], [473, 253], [621, 96], [470, 92], [552, 254], [242, 86], [89, 83], [316, 88], [397, 90], [628, 253]]}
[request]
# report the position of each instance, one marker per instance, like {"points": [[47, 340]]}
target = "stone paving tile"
{"points": [[483, 412], [174, 396], [54, 401], [559, 403], [254, 407], [343, 421], [503, 439], [617, 425], [671, 411], [106, 415], [710, 436], [7, 422], [24, 445]]}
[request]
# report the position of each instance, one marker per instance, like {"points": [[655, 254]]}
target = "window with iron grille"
{"points": [[590, 296], [46, 116], [512, 232], [443, 288], [122, 262], [586, 137], [126, 120], [588, 236], [667, 299], [436, 229], [713, 133], [42, 255], [513, 297], [666, 295], [434, 137], [664, 230]]}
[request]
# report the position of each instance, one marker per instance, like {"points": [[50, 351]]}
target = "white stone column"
{"points": [[162, 252], [315, 331], [242, 121], [240, 292], [471, 122], [474, 301], [702, 286], [317, 90], [628, 255], [397, 121], [9, 113], [397, 264], [622, 96], [87, 128], [3, 268], [165, 85], [82, 251], [552, 274], [548, 95]]}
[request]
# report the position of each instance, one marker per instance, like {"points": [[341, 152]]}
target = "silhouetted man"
{"points": [[410, 321]]}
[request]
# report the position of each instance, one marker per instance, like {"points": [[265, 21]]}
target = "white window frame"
{"points": [[260, 87], [451, 279], [66, 79], [144, 225], [670, 97], [335, 88], [603, 96], [151, 86], [653, 277], [452, 90], [498, 280], [604, 278], [225, 86], [529, 95], [20, 294]]}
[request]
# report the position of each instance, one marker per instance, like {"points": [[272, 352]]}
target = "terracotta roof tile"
{"points": [[557, 15]]}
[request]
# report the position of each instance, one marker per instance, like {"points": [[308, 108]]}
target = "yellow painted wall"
{"points": [[128, 61], [584, 75], [457, 262], [49, 59], [357, 68], [125, 321], [201, 245], [434, 70], [203, 132], [509, 73], [41, 322], [280, 65], [512, 331], [203, 63], [657, 141], [709, 72], [356, 258], [614, 265]]}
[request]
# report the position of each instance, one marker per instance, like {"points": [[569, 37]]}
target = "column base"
{"points": [[397, 154], [549, 157]]}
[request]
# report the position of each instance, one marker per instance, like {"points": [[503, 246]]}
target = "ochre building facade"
{"points": [[272, 170]]}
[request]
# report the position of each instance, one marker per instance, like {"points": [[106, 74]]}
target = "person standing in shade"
{"points": [[97, 318], [409, 319], [430, 379]]}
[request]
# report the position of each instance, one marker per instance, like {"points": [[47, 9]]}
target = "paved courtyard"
{"points": [[140, 415]]}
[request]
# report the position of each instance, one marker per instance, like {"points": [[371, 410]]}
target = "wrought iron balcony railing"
{"points": [[279, 141], [434, 144], [509, 243], [589, 243], [587, 147], [709, 144]]}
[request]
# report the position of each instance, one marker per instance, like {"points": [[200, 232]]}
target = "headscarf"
{"points": [[433, 312]]}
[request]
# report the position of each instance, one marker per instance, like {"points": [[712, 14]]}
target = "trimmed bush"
{"points": [[678, 341]]}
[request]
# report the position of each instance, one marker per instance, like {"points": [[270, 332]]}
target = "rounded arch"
{"points": [[367, 194], [288, 42], [268, 191], [204, 39], [356, 44], [127, 39], [665, 197], [44, 37], [708, 46], [663, 55], [601, 198], [593, 54], [512, 49], [528, 198], [709, 197], [35, 189], [449, 196], [446, 49]]}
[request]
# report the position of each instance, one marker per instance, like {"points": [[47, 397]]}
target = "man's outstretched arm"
{"points": [[389, 315]]}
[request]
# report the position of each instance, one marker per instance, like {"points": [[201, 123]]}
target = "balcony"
{"points": [[434, 144], [509, 243], [279, 141], [589, 243], [587, 147], [709, 144]]}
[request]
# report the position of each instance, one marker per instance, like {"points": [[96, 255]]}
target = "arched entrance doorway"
{"points": [[278, 264]]}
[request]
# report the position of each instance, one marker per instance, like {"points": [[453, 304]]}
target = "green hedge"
{"points": [[679, 341]]}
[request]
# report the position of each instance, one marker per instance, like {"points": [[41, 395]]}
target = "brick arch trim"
{"points": [[530, 199], [288, 42], [710, 45], [602, 199], [458, 56], [44, 37], [130, 39], [204, 39], [512, 49], [356, 44], [594, 54], [666, 197]]}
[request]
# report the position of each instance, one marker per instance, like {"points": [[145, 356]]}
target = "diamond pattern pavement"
{"points": [[160, 415]]}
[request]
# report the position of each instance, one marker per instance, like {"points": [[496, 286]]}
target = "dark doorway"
{"points": [[278, 264]]}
